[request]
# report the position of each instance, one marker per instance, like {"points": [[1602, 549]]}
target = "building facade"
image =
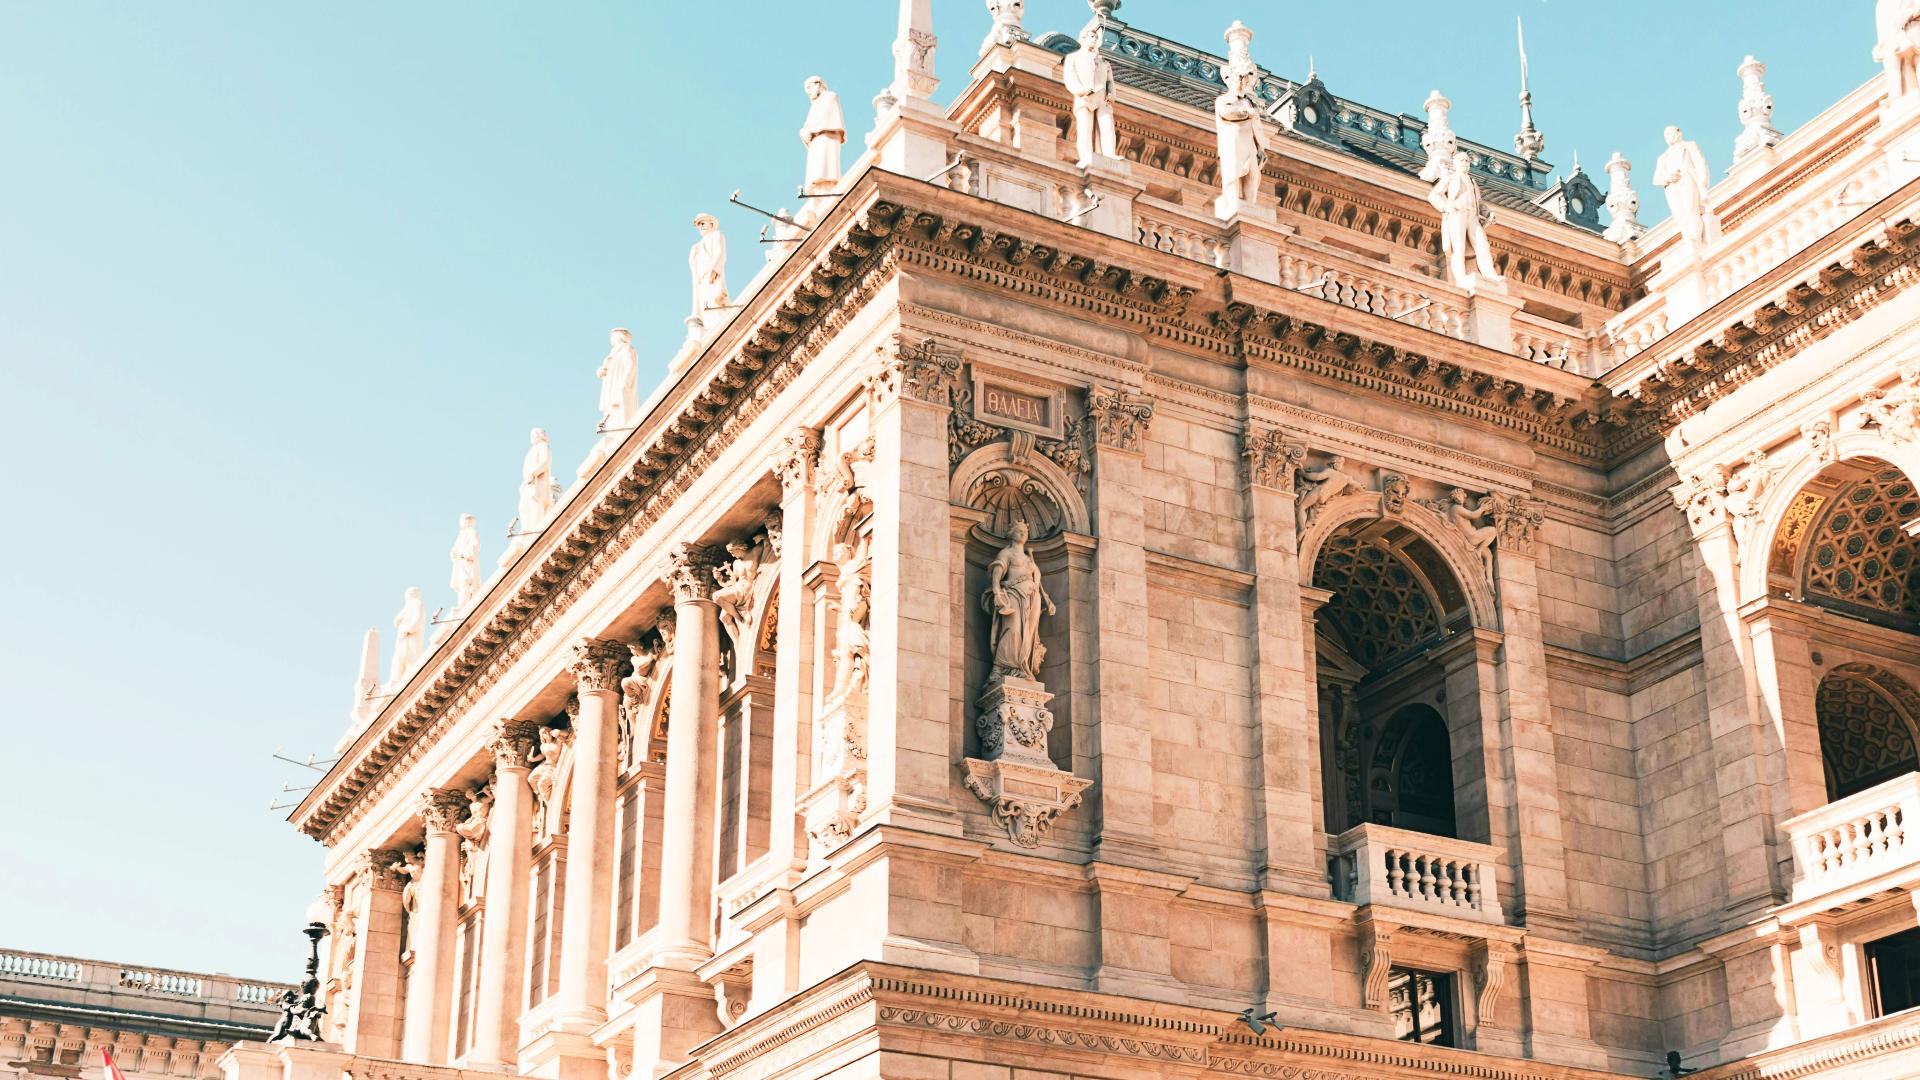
{"points": [[58, 1012], [1290, 592]]}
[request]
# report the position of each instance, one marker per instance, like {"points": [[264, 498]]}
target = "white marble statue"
{"points": [[1009, 18], [366, 682], [1623, 203], [1756, 111], [465, 557], [1748, 487], [1467, 518], [1898, 23], [1682, 173], [1457, 198], [853, 647], [473, 842], [1241, 131], [619, 382], [733, 595], [547, 761], [1328, 481], [1016, 600], [1438, 140], [707, 262], [536, 483], [410, 867], [410, 635], [824, 133], [1089, 78]]}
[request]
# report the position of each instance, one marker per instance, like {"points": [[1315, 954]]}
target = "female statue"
{"points": [[1016, 600]]}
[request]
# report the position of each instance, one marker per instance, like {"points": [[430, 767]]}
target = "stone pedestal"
{"points": [[1016, 778], [1685, 288], [1898, 139], [1254, 238], [1111, 181], [1490, 314]]}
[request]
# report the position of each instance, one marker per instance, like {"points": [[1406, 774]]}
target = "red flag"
{"points": [[113, 1071]]}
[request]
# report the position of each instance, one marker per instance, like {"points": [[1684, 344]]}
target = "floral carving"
{"points": [[691, 573], [380, 868], [596, 665], [798, 457], [1271, 460], [1704, 498], [1519, 519], [925, 371], [514, 742], [1119, 418], [441, 808]]}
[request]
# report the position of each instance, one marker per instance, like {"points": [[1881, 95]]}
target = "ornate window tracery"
{"points": [[1856, 556], [1382, 607]]}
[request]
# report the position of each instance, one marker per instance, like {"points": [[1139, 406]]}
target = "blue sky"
{"points": [[283, 286]]}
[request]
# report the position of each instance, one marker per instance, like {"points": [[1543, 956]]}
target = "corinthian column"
{"points": [[686, 854], [430, 984], [503, 933], [583, 960]]}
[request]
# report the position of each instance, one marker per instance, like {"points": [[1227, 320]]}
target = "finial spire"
{"points": [[1312, 71], [1529, 142]]}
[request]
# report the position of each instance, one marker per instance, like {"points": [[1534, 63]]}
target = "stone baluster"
{"points": [[503, 936], [430, 983], [588, 919]]}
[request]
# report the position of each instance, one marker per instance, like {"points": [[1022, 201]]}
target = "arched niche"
{"points": [[1839, 539], [1869, 728], [994, 486]]}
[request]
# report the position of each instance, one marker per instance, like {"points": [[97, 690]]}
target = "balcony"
{"points": [[1394, 868], [1856, 847]]}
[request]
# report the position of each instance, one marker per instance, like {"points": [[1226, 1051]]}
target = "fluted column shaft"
{"points": [[431, 933], [503, 933], [686, 858], [588, 922]]}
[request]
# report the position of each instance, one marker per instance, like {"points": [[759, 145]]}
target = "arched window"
{"points": [[1843, 544], [1867, 728]]}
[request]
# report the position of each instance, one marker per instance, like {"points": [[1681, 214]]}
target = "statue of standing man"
{"points": [[824, 133], [466, 563], [1682, 173], [1457, 198], [536, 482], [708, 264], [410, 631], [1898, 23], [1089, 78], [619, 382], [1015, 599], [1240, 128]]}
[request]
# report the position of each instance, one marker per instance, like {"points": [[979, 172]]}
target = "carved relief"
{"points": [[1011, 496], [925, 371], [380, 869], [636, 691], [441, 808], [1748, 487], [1489, 980], [1519, 519], [1376, 960], [596, 665], [795, 462], [1466, 515], [738, 586], [1819, 436], [474, 833], [691, 573], [552, 761], [1394, 489], [831, 809], [1704, 498], [1271, 460], [1119, 418], [1322, 484], [513, 743]]}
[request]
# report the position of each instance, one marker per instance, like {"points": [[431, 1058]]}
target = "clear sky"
{"points": [[283, 286]]}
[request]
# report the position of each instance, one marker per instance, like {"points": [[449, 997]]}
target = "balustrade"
{"points": [[1859, 841], [1186, 242], [1375, 864], [34, 966]]}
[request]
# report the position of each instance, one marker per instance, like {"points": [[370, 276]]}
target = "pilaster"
{"points": [[374, 1025]]}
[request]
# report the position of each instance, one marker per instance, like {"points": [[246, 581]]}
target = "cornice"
{"points": [[1894, 1034]]}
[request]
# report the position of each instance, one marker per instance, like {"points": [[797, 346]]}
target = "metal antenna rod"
{"points": [[312, 762], [782, 218], [1318, 283], [951, 165], [1425, 303]]}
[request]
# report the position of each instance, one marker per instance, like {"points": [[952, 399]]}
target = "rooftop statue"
{"points": [[536, 482], [1682, 173], [1008, 19], [619, 382], [1438, 140], [1756, 111], [1457, 198], [410, 630], [707, 262], [1241, 129], [1623, 203], [465, 557], [1015, 599], [823, 134], [1898, 22], [1089, 78]]}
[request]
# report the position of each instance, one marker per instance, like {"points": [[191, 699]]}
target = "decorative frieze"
{"points": [[1272, 461], [1119, 418]]}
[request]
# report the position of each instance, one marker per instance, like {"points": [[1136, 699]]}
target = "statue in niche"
{"points": [[1457, 198], [1089, 78], [473, 842], [634, 692], [1898, 22], [410, 633], [734, 595], [1242, 143], [1467, 518], [823, 134], [536, 482], [853, 647], [619, 382], [1328, 481], [547, 759], [1016, 599], [1681, 172], [707, 261], [465, 557]]}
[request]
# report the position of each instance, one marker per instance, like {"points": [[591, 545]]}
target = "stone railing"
{"points": [[1163, 234], [160, 982], [14, 965], [1858, 841], [1375, 864], [1549, 343], [1634, 329], [1750, 251], [1333, 281], [73, 978]]}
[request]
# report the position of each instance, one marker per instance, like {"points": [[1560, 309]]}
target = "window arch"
{"points": [[1868, 731], [1842, 543]]}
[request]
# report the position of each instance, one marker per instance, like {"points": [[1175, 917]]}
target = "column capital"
{"points": [[442, 808], [1273, 461], [925, 370], [381, 868], [513, 743], [691, 574], [1703, 496], [1518, 518], [795, 462], [596, 664], [1119, 418]]}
